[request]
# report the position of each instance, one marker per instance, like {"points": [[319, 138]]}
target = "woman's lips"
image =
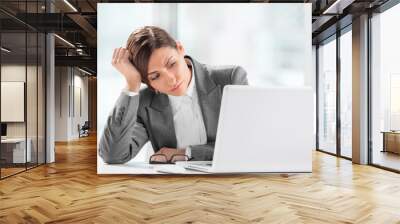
{"points": [[176, 86]]}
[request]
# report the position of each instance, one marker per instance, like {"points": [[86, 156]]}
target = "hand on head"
{"points": [[121, 61]]}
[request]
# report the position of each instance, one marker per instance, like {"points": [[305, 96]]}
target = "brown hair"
{"points": [[141, 44]]}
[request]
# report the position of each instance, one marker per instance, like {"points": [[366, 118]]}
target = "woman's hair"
{"points": [[141, 44]]}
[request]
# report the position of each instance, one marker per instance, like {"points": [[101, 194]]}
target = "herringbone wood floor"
{"points": [[70, 191]]}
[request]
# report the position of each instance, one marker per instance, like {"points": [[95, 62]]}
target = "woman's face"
{"points": [[168, 72]]}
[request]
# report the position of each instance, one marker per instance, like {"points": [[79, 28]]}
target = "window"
{"points": [[346, 94], [385, 89], [327, 96]]}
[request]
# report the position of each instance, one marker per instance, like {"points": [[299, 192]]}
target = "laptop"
{"points": [[262, 130]]}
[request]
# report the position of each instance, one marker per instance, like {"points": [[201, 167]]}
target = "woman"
{"points": [[178, 111]]}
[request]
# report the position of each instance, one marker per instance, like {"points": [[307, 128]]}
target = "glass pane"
{"points": [[23, 89], [41, 98], [13, 87], [346, 94], [32, 86], [327, 97], [31, 98], [386, 89]]}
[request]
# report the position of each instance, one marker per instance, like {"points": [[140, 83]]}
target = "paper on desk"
{"points": [[174, 169]]}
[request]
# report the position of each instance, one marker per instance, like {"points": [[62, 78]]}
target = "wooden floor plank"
{"points": [[70, 191]]}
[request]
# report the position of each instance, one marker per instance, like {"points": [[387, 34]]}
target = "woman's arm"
{"points": [[239, 76], [124, 133]]}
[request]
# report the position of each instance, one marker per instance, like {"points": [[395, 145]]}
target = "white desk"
{"points": [[139, 166], [134, 167], [18, 149]]}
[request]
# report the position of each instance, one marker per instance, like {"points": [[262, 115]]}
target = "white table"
{"points": [[139, 167], [19, 155]]}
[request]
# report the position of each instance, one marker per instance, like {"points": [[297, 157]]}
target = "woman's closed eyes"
{"points": [[154, 77], [157, 75], [172, 65]]}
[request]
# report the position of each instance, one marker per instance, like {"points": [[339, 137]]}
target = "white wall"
{"points": [[61, 103], [80, 84], [13, 73], [70, 83]]}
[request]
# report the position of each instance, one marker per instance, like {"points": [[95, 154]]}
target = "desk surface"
{"points": [[13, 140], [142, 168]]}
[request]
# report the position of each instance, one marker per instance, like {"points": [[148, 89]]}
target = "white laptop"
{"points": [[262, 130]]}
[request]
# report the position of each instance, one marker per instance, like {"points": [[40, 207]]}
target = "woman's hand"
{"points": [[120, 61], [169, 152]]}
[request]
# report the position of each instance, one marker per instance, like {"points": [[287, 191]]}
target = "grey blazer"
{"points": [[148, 116]]}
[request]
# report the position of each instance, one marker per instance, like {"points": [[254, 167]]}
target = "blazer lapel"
{"points": [[210, 96], [162, 122]]}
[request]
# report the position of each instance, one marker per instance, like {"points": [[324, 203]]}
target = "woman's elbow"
{"points": [[239, 76], [114, 154]]}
